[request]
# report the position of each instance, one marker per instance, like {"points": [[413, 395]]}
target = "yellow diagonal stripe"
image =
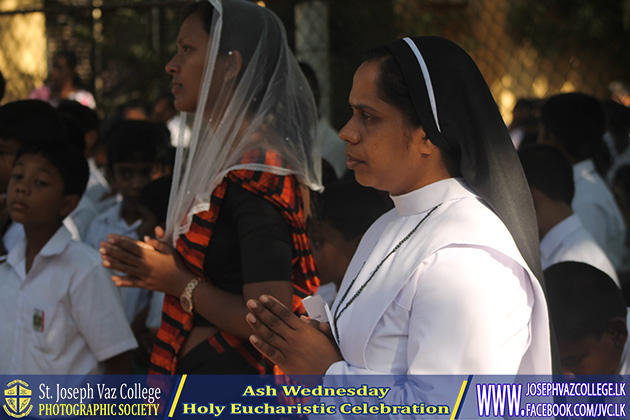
{"points": [[179, 391], [459, 399]]}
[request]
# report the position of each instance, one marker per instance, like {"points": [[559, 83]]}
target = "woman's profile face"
{"points": [[186, 67], [61, 71], [381, 148]]}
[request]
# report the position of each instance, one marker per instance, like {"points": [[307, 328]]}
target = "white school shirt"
{"points": [[110, 221], [64, 316], [134, 299], [569, 241], [595, 205], [619, 161], [456, 298], [97, 184], [81, 218]]}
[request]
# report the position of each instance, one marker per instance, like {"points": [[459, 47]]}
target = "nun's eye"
{"points": [[366, 116]]}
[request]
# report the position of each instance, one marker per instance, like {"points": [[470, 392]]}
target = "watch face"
{"points": [[186, 303]]}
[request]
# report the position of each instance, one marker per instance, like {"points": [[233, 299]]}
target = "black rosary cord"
{"points": [[358, 292]]}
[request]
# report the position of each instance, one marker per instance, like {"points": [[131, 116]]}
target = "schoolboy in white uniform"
{"points": [[562, 234], [575, 123], [135, 151], [61, 313]]}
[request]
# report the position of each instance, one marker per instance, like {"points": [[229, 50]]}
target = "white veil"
{"points": [[268, 107]]}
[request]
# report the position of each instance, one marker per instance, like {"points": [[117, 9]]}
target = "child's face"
{"points": [[590, 355], [128, 178], [332, 252], [8, 149], [35, 193]]}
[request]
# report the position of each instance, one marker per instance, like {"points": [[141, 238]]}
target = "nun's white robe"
{"points": [[456, 298]]}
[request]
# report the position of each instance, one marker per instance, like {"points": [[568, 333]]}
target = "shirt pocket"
{"points": [[47, 325]]}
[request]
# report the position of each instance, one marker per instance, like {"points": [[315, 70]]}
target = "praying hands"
{"points": [[299, 346]]}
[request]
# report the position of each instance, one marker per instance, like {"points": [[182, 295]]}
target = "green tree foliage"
{"points": [[555, 26]]}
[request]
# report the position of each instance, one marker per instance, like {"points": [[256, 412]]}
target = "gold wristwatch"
{"points": [[186, 298]]}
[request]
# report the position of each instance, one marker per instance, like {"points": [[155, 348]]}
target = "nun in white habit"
{"points": [[449, 281]]}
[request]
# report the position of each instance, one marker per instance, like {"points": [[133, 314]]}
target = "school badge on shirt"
{"points": [[38, 320]]}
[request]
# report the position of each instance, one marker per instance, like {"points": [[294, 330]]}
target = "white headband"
{"points": [[427, 79]]}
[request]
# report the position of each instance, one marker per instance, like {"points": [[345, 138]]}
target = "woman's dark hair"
{"points": [[260, 22], [236, 15], [391, 85], [70, 57], [205, 10]]}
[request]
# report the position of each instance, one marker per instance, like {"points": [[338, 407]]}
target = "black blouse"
{"points": [[250, 242]]}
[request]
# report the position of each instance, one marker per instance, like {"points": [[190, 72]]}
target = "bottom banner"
{"points": [[329, 397]]}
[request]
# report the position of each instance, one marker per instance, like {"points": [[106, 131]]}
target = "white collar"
{"points": [[95, 172], [429, 196], [584, 166], [113, 217], [552, 240], [55, 245]]}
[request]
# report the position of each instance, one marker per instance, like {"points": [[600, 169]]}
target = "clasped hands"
{"points": [[299, 346], [152, 264]]}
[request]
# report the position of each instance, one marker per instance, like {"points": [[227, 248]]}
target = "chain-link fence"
{"points": [[122, 46]]}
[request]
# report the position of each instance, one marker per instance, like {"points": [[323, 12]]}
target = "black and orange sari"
{"points": [[284, 193]]}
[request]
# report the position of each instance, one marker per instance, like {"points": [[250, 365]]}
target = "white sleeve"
{"points": [[99, 315], [470, 314], [154, 317]]}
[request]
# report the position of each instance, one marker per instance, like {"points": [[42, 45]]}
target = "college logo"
{"points": [[18, 398]]}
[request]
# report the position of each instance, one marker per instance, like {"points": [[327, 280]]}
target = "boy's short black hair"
{"points": [[582, 300], [549, 171], [76, 135], [87, 117], [155, 195], [137, 141], [577, 121], [66, 157], [31, 119], [350, 208]]}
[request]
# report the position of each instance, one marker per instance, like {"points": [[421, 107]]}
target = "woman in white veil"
{"points": [[236, 212]]}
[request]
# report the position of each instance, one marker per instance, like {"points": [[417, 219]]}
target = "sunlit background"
{"points": [[524, 48]]}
